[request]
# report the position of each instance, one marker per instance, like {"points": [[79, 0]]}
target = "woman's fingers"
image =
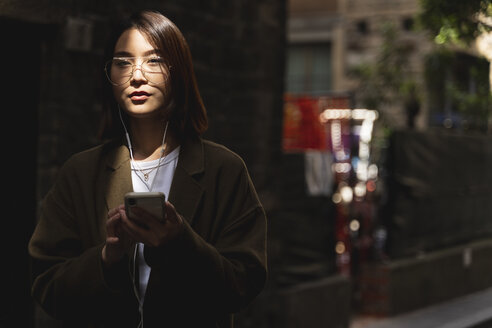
{"points": [[146, 219], [133, 227], [112, 240], [146, 228], [172, 215], [115, 211], [112, 225]]}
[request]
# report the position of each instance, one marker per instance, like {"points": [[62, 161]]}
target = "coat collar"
{"points": [[185, 192], [119, 180], [190, 157]]}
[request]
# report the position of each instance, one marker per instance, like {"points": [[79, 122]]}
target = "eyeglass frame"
{"points": [[168, 68]]}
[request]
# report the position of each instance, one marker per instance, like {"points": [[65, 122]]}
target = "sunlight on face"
{"points": [[140, 97]]}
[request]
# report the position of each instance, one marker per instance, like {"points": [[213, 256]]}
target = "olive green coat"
{"points": [[216, 267]]}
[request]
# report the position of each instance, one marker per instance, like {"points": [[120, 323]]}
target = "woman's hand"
{"points": [[150, 230], [117, 240]]}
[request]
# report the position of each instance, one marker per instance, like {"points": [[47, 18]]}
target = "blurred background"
{"points": [[365, 125]]}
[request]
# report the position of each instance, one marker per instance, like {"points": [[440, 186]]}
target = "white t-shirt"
{"points": [[163, 174]]}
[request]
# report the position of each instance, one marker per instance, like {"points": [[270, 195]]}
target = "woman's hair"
{"points": [[188, 117]]}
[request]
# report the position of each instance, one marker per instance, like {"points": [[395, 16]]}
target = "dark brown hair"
{"points": [[188, 117]]}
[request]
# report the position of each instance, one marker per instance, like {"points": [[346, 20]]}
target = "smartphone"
{"points": [[153, 202]]}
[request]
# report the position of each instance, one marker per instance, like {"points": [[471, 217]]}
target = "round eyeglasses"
{"points": [[120, 70]]}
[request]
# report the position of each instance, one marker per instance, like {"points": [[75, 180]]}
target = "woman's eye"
{"points": [[122, 63], [155, 61]]}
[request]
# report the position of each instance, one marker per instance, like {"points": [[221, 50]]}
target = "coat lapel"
{"points": [[119, 177], [113, 183], [186, 192], [119, 182]]}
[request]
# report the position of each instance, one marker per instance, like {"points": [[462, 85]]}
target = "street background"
{"points": [[365, 125]]}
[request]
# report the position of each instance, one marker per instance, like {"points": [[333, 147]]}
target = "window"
{"points": [[408, 24], [309, 68], [458, 89], [362, 27]]}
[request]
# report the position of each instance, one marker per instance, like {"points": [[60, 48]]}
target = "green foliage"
{"points": [[456, 21], [458, 83], [473, 106], [388, 78]]}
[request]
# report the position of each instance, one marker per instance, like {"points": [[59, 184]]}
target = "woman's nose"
{"points": [[138, 74]]}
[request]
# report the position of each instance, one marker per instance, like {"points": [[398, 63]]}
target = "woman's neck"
{"points": [[146, 137]]}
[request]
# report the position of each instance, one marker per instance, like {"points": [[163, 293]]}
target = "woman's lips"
{"points": [[139, 96]]}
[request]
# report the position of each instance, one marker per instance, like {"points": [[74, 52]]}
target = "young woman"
{"points": [[206, 260]]}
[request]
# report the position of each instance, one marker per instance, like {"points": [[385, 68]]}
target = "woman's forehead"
{"points": [[133, 43]]}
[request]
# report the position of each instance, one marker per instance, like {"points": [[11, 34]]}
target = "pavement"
{"points": [[469, 311]]}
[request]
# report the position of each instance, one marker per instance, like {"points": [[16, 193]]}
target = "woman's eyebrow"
{"points": [[128, 54], [122, 54], [152, 52]]}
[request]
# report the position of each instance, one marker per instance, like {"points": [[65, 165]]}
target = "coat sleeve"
{"points": [[69, 280], [222, 275]]}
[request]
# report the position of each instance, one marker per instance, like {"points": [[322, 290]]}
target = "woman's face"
{"points": [[140, 97]]}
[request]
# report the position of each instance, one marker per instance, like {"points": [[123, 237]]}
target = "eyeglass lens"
{"points": [[121, 70]]}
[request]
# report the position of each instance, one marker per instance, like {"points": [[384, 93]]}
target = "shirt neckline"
{"points": [[167, 159]]}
